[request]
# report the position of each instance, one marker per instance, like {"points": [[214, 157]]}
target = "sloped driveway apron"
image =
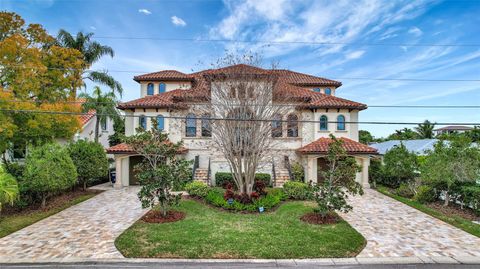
{"points": [[393, 229], [86, 230]]}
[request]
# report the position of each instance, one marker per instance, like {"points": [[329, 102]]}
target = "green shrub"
{"points": [[297, 190], [8, 188], [49, 170], [224, 178], [197, 189], [273, 198], [375, 172], [471, 197], [90, 160], [404, 190], [400, 166], [425, 194], [298, 172]]}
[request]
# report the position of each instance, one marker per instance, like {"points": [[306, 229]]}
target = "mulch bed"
{"points": [[52, 202], [315, 218], [454, 210], [155, 216]]}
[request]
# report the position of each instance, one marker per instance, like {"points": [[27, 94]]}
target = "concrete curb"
{"points": [[293, 262]]}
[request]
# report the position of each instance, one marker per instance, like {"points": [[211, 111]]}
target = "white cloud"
{"points": [[145, 11], [415, 31], [354, 54], [178, 21], [93, 28]]}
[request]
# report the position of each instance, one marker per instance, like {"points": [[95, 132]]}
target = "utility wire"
{"points": [[19, 66], [234, 119], [272, 105]]}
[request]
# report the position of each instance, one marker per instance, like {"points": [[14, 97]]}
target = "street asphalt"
{"points": [[233, 265]]}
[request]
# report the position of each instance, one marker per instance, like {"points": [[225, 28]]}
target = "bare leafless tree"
{"points": [[240, 105]]}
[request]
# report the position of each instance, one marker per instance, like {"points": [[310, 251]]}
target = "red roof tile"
{"points": [[320, 146], [163, 75], [124, 148], [288, 85]]}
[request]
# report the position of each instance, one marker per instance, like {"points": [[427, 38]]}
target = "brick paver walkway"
{"points": [[393, 229], [86, 230]]}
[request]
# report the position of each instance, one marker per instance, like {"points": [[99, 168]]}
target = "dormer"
{"points": [[163, 81], [328, 90]]}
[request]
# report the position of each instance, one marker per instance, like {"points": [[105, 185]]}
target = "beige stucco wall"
{"points": [[88, 132], [169, 86]]}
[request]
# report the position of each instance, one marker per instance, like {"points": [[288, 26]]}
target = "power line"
{"points": [[219, 40], [236, 119], [331, 77], [272, 105]]}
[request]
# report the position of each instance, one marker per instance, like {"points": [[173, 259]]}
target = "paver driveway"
{"points": [[393, 229], [86, 230]]}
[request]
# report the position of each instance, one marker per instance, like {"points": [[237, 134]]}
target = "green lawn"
{"points": [[207, 232], [456, 221], [13, 223]]}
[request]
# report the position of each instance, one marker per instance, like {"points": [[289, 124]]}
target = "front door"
{"points": [[134, 160], [322, 166]]}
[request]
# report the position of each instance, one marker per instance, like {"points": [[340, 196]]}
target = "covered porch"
{"points": [[314, 158]]}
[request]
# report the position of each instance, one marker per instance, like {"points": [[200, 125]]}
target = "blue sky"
{"points": [[353, 23]]}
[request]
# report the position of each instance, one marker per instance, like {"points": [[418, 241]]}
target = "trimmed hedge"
{"points": [[471, 197], [297, 190], [197, 189], [273, 198], [223, 178]]}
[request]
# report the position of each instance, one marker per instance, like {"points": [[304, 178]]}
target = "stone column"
{"points": [[311, 169], [365, 165], [118, 170]]}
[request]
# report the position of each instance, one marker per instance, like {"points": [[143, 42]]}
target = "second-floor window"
{"points": [[150, 89], [190, 125], [160, 123], [162, 88], [316, 89], [341, 123], [142, 122], [104, 124], [292, 125], [328, 91], [277, 126], [323, 123], [206, 126]]}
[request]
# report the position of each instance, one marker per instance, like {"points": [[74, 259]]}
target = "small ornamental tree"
{"points": [[450, 165], [400, 166], [339, 181], [49, 170], [90, 159], [160, 168], [8, 188]]}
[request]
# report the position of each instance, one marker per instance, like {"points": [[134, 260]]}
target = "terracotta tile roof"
{"points": [[123, 148], [288, 85], [85, 118], [454, 128], [320, 146], [163, 75]]}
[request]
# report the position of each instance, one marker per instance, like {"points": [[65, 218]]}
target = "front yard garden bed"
{"points": [[13, 219], [450, 214], [210, 233]]}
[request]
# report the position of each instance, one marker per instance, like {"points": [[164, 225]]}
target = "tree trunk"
{"points": [[84, 185], [44, 201], [447, 198], [97, 123]]}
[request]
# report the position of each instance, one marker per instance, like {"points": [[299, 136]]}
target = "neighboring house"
{"points": [[170, 93], [452, 129], [417, 146]]}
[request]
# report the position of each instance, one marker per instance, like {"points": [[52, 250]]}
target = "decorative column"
{"points": [[118, 170], [311, 169], [365, 165]]}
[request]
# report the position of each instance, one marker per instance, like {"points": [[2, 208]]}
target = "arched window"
{"points": [[292, 125], [150, 89], [316, 89], [341, 122], [277, 126], [328, 91], [104, 124], [206, 125], [190, 125], [161, 88], [142, 122], [323, 123], [160, 123]]}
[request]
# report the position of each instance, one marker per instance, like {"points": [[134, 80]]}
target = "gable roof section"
{"points": [[288, 85], [163, 75], [321, 145]]}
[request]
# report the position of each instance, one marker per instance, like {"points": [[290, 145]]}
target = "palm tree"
{"points": [[8, 188], [425, 129], [104, 105], [92, 52]]}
